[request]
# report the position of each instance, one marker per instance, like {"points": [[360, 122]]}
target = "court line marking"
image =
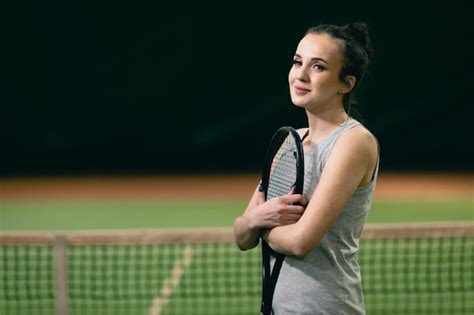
{"points": [[172, 281]]}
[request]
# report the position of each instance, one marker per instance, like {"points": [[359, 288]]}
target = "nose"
{"points": [[302, 74]]}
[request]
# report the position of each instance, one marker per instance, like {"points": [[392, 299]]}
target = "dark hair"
{"points": [[356, 52]]}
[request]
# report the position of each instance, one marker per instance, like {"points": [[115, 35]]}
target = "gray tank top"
{"points": [[327, 280]]}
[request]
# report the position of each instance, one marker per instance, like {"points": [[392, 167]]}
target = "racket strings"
{"points": [[283, 171]]}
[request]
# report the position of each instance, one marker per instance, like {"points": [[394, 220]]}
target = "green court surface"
{"points": [[169, 214], [399, 276]]}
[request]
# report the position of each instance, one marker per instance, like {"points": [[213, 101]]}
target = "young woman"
{"points": [[319, 231]]}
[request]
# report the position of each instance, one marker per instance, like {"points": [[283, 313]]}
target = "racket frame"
{"points": [[269, 275]]}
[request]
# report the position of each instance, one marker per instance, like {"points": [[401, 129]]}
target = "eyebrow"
{"points": [[313, 59]]}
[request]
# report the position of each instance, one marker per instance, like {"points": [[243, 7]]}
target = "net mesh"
{"points": [[418, 276], [26, 280], [162, 279], [401, 275], [283, 171]]}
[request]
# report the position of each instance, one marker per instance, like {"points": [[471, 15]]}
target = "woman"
{"points": [[319, 231]]}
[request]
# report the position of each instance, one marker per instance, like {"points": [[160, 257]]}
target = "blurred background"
{"points": [[173, 101], [152, 115], [153, 88]]}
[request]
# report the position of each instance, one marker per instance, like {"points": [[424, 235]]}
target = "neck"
{"points": [[323, 121]]}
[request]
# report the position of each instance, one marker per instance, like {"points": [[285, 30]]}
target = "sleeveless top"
{"points": [[327, 280]]}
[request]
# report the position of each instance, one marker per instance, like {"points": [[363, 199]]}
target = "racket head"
{"points": [[283, 171]]}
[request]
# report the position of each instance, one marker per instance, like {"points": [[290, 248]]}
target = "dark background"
{"points": [[113, 88]]}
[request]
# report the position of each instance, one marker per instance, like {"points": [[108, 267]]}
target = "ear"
{"points": [[347, 85]]}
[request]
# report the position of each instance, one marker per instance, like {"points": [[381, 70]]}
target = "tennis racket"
{"points": [[283, 172]]}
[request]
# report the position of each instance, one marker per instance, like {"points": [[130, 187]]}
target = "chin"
{"points": [[299, 105], [299, 102]]}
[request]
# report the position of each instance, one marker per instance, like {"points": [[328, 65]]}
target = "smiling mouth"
{"points": [[301, 90]]}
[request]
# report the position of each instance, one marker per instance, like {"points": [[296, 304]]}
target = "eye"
{"points": [[296, 63], [318, 67]]}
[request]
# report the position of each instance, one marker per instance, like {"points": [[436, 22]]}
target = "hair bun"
{"points": [[360, 33]]}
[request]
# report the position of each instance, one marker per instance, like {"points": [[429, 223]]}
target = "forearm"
{"points": [[246, 234], [260, 215], [285, 240], [302, 237]]}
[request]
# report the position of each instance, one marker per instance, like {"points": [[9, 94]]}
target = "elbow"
{"points": [[245, 244], [300, 251], [301, 247], [244, 239], [241, 247], [293, 243], [244, 247]]}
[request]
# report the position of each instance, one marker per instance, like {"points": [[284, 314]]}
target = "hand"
{"points": [[278, 211]]}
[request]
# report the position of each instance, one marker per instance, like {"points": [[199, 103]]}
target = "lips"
{"points": [[301, 90]]}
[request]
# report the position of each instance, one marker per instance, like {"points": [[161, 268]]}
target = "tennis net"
{"points": [[406, 269]]}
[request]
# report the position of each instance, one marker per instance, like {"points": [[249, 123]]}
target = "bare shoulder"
{"points": [[357, 148], [358, 138]]}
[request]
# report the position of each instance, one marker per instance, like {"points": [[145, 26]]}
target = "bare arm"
{"points": [[246, 232], [350, 164], [261, 215]]}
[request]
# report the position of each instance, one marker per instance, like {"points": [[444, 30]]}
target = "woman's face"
{"points": [[314, 77]]}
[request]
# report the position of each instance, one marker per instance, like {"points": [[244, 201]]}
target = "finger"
{"points": [[295, 209], [291, 208], [296, 198], [290, 219], [292, 190], [301, 200], [261, 197]]}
